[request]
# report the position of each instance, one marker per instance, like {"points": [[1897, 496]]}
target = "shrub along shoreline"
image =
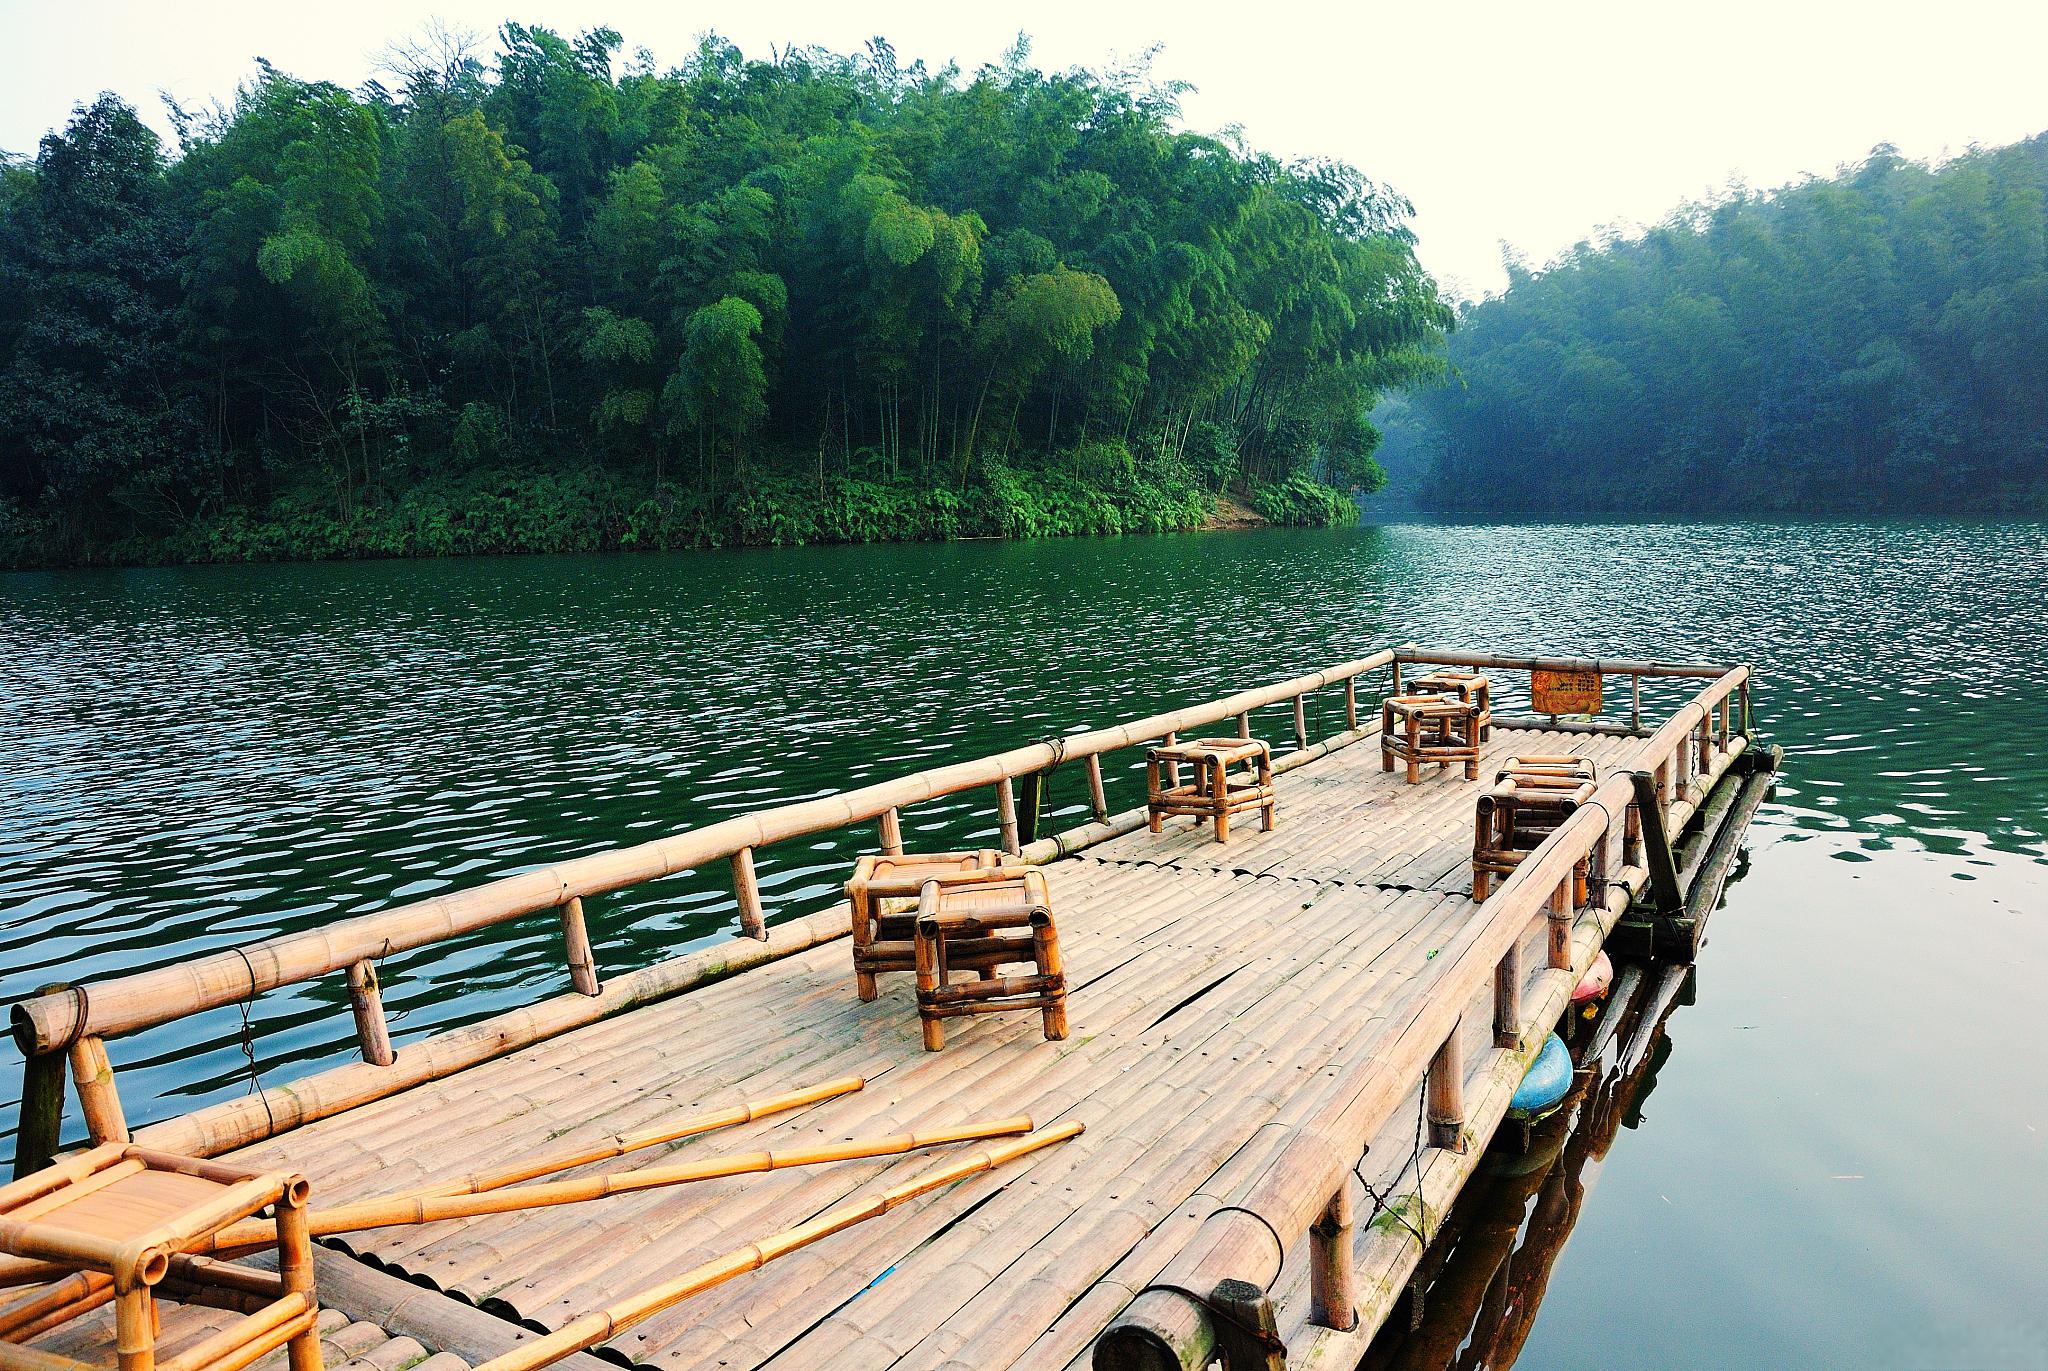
{"points": [[516, 510]]}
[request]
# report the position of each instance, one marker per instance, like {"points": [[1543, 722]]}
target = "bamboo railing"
{"points": [[1291, 1182], [76, 1022]]}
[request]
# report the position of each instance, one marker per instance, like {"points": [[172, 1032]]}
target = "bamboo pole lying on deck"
{"points": [[476, 1182], [604, 1324], [397, 1210]]}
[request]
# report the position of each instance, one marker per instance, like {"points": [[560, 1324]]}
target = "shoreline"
{"points": [[521, 513]]}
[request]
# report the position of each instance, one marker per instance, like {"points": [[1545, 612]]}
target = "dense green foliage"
{"points": [[1874, 343], [562, 300]]}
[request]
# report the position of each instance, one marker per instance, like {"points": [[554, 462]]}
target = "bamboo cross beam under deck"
{"points": [[605, 1324]]}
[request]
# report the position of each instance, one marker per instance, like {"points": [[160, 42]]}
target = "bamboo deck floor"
{"points": [[1211, 987]]}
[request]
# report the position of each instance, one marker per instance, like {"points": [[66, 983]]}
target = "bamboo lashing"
{"points": [[397, 1210], [605, 1324], [620, 1144]]}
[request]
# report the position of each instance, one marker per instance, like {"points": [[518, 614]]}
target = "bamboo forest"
{"points": [[561, 300], [1873, 343]]}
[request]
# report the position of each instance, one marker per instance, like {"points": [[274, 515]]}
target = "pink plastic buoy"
{"points": [[1598, 977]]}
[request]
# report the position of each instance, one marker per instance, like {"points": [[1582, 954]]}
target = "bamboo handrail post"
{"points": [[1446, 1091], [576, 946], [295, 1268], [1561, 926], [1635, 702], [747, 886], [93, 1075], [366, 1002], [1172, 739], [1332, 1274], [1098, 798], [1244, 723], [891, 828], [1006, 815], [1351, 704], [40, 1123], [1507, 999], [1300, 723]]}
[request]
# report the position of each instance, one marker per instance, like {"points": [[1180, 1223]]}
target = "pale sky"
{"points": [[1530, 123]]}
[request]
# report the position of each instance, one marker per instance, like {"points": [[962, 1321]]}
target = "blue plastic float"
{"points": [[1547, 1082]]}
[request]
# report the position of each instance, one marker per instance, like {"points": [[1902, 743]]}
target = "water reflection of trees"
{"points": [[1483, 1282]]}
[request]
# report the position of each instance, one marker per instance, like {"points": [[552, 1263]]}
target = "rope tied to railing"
{"points": [[249, 1043], [1381, 1204], [1597, 882]]}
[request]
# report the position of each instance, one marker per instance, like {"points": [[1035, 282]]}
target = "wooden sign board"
{"points": [[1565, 692]]}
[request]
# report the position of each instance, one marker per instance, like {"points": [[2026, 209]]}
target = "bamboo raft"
{"points": [[1257, 1027]]}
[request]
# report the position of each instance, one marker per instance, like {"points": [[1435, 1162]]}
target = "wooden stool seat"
{"points": [[1423, 730], [1530, 797], [882, 904], [130, 1225], [983, 921], [1216, 792], [1472, 686]]}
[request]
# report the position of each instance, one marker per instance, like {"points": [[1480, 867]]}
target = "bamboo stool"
{"points": [[1466, 685], [1425, 729], [1214, 793], [982, 921], [882, 903], [127, 1221], [1530, 798]]}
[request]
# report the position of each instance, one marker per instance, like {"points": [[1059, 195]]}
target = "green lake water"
{"points": [[1843, 1160]]}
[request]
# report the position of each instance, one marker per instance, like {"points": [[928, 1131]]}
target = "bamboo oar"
{"points": [[604, 1324], [479, 1181], [397, 1210]]}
